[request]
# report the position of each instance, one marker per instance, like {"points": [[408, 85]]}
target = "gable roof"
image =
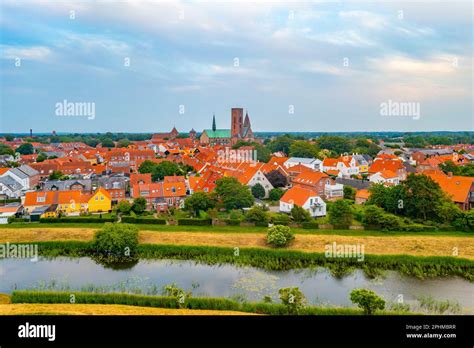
{"points": [[297, 195], [310, 178], [457, 187], [218, 133]]}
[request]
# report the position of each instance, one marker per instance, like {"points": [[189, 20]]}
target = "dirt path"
{"points": [[389, 245]]}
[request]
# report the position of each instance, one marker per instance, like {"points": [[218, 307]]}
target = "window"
{"points": [[101, 198], [40, 199]]}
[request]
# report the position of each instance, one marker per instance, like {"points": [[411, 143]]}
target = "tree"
{"points": [[337, 144], [124, 207], [123, 143], [293, 299], [41, 157], [9, 137], [232, 194], [139, 205], [367, 300], [281, 143], [340, 213], [465, 221], [165, 168], [256, 214], [116, 243], [199, 201], [275, 194], [107, 142], [56, 175], [423, 195], [258, 191], [6, 150], [276, 178], [146, 167], [302, 148], [349, 192], [26, 149], [92, 142], [279, 236], [299, 214]]}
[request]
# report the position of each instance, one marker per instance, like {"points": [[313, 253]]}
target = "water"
{"points": [[149, 276]]}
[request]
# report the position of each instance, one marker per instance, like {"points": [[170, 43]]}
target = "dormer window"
{"points": [[40, 199]]}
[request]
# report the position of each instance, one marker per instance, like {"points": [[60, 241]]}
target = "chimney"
{"points": [[450, 174]]}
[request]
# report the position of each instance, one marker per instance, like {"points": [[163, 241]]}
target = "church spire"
{"points": [[214, 123]]}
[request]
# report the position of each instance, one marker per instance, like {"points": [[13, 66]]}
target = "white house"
{"points": [[345, 165], [305, 198], [334, 191], [385, 177], [251, 178], [312, 163]]}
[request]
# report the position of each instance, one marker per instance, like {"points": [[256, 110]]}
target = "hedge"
{"points": [[197, 303], [15, 219], [232, 222], [310, 225], [137, 220], [261, 224], [76, 220], [281, 222], [194, 222]]}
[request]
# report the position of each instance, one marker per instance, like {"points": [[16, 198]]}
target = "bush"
{"points": [[279, 236], [143, 220], [367, 300], [13, 219], [194, 222], [280, 219], [465, 222], [87, 219], [310, 225], [139, 205], [300, 214], [116, 243], [232, 222], [275, 194], [124, 207], [293, 299], [178, 294], [257, 214]]}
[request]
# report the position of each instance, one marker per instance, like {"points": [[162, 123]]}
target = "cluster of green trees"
{"points": [[464, 170], [323, 146], [166, 168]]}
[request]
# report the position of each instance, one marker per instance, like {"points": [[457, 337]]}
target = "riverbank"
{"points": [[414, 245]]}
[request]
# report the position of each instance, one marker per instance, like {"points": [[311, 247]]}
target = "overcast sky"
{"points": [[332, 64]]}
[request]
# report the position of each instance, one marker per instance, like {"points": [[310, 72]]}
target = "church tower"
{"points": [[237, 116]]}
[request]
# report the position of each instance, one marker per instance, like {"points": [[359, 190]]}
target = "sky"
{"points": [[146, 66]]}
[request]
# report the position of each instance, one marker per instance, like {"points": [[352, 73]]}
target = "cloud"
{"points": [[322, 68], [438, 64], [344, 38], [38, 53], [364, 18]]}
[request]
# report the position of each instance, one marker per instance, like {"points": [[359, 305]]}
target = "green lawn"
{"points": [[241, 229]]}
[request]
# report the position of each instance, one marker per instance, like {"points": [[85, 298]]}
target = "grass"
{"points": [[211, 236], [100, 309], [192, 303], [244, 229], [278, 259]]}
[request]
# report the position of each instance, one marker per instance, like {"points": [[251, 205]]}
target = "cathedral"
{"points": [[240, 130]]}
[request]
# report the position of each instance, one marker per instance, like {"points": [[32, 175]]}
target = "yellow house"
{"points": [[68, 202], [101, 201]]}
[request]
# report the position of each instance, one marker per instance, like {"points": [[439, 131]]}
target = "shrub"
{"points": [[275, 194], [466, 221], [280, 219], [279, 236], [257, 214], [368, 300], [310, 225], [194, 222], [116, 243], [300, 214], [178, 294], [124, 207], [293, 299], [232, 222]]}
